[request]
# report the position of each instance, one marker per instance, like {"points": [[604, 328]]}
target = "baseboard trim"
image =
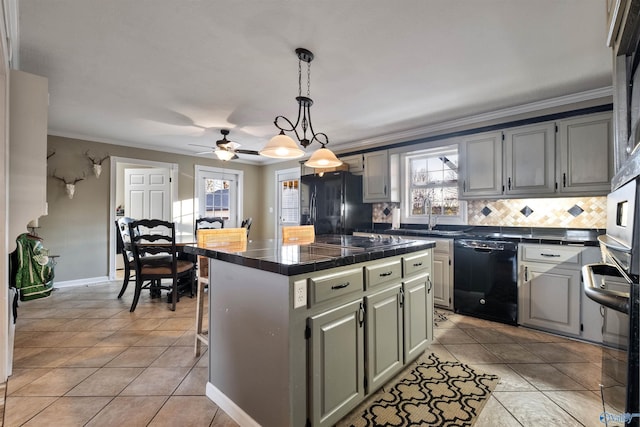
{"points": [[230, 407], [81, 282]]}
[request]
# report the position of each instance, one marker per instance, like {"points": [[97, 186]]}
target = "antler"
{"points": [[79, 179], [63, 179], [96, 160]]}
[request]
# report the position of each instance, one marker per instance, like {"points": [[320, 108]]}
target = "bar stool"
{"points": [[227, 239]]}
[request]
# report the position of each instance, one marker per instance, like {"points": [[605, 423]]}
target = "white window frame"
{"points": [[200, 172], [405, 183]]}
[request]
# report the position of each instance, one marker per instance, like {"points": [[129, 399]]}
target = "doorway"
{"points": [[287, 199], [155, 170], [219, 194]]}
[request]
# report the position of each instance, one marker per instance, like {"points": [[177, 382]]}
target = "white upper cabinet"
{"points": [[481, 165], [585, 163], [355, 163], [570, 157], [380, 182], [530, 160]]}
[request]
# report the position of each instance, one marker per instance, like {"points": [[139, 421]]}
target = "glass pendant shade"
{"points": [[224, 155], [282, 147], [323, 158]]}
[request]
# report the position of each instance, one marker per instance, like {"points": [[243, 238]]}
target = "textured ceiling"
{"points": [[164, 74]]}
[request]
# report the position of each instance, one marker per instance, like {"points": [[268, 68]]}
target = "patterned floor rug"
{"points": [[433, 393], [439, 317]]}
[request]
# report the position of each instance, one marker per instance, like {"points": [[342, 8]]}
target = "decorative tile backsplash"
{"points": [[567, 212]]}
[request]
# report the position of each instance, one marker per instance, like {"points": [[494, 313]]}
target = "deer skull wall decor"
{"points": [[97, 163], [70, 186]]}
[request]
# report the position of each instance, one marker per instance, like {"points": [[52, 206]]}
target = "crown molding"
{"points": [[423, 131]]}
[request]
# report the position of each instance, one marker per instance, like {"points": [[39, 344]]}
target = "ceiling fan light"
{"points": [[323, 158], [282, 146], [224, 155]]}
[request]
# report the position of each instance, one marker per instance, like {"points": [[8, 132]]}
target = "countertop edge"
{"points": [[349, 258]]}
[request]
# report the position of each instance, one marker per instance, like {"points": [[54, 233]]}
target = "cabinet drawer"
{"points": [[382, 273], [335, 285], [416, 263], [552, 254]]}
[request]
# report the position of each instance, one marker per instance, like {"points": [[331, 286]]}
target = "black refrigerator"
{"points": [[333, 203]]}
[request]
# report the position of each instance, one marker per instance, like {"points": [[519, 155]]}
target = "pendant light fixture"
{"points": [[283, 146]]}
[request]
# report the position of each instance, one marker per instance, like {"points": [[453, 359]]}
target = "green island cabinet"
{"points": [[305, 350]]}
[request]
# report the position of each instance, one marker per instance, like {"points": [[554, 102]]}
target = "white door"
{"points": [[288, 199], [147, 193], [219, 193]]}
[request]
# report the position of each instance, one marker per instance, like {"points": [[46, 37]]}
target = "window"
{"points": [[219, 194], [431, 187]]}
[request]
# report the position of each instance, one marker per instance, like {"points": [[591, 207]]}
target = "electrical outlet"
{"points": [[300, 293]]}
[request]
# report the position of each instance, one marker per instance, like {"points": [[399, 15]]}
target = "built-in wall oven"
{"points": [[613, 284]]}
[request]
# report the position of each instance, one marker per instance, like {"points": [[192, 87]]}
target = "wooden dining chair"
{"points": [[209, 222], [230, 239], [246, 223], [122, 236], [299, 234], [153, 243]]}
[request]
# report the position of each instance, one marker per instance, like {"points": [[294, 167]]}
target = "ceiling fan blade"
{"points": [[255, 153], [204, 146], [204, 152]]}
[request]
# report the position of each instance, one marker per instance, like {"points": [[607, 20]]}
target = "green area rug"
{"points": [[433, 393]]}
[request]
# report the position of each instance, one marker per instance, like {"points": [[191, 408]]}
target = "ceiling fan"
{"points": [[225, 149]]}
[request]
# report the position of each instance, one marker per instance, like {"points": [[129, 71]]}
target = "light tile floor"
{"points": [[82, 359]]}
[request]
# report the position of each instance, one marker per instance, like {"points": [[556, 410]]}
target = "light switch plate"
{"points": [[299, 293]]}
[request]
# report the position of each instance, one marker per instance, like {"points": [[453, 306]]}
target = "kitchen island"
{"points": [[300, 334]]}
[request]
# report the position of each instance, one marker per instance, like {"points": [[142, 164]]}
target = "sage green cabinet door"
{"points": [[384, 336], [336, 357], [550, 298], [481, 165], [416, 328], [585, 166], [530, 160]]}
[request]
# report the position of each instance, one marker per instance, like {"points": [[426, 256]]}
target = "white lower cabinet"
{"points": [[550, 298], [361, 339], [550, 290]]}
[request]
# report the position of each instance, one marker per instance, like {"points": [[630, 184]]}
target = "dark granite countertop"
{"points": [[324, 253], [555, 236]]}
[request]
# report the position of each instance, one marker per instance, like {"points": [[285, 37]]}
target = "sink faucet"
{"points": [[427, 204]]}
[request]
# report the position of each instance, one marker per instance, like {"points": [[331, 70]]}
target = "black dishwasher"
{"points": [[485, 279]]}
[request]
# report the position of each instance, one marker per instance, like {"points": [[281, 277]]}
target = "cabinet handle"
{"points": [[361, 315], [526, 274], [564, 179], [464, 186], [417, 264], [388, 273], [401, 297], [430, 284], [550, 255], [340, 286], [385, 190], [509, 183]]}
